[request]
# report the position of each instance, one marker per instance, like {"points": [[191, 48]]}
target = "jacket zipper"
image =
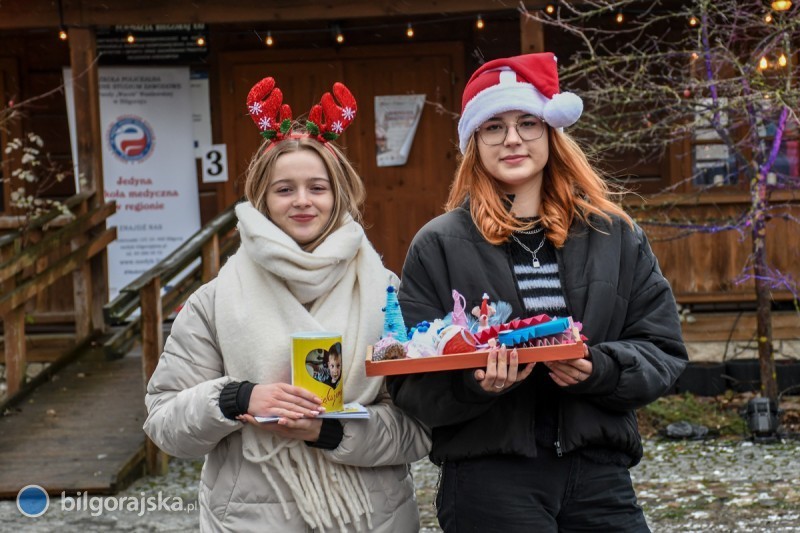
{"points": [[558, 433], [561, 278], [560, 263]]}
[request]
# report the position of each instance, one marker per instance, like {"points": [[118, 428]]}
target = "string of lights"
{"points": [[271, 37]]}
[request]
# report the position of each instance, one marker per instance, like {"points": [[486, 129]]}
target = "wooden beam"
{"points": [[210, 259], [658, 201], [531, 35], [14, 340], [152, 343], [739, 327], [98, 265], [83, 59], [745, 295], [15, 14], [82, 288]]}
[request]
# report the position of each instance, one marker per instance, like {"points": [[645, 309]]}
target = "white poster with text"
{"points": [[148, 164], [396, 121]]}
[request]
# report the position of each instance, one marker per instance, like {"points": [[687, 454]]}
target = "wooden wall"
{"points": [[714, 267]]}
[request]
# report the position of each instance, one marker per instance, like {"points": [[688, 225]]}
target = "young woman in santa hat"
{"points": [[304, 258], [531, 223]]}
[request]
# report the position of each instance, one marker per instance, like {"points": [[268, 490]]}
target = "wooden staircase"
{"points": [[78, 425]]}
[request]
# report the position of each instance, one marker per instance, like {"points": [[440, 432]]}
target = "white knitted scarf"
{"points": [[261, 298]]}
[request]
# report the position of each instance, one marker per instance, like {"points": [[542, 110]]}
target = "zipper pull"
{"points": [[558, 448]]}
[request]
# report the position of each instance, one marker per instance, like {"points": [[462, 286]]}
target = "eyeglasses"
{"points": [[494, 132]]}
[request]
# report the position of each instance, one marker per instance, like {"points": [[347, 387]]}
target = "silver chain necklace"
{"points": [[533, 253], [531, 231]]}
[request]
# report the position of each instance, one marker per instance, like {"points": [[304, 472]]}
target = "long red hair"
{"points": [[571, 188]]}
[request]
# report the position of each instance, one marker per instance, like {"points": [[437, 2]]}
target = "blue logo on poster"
{"points": [[131, 139]]}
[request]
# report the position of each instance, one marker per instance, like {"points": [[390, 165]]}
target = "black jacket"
{"points": [[611, 283]]}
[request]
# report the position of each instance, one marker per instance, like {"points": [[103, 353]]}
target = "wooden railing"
{"points": [[28, 268], [214, 241]]}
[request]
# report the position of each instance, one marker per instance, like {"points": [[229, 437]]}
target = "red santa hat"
{"points": [[522, 83]]}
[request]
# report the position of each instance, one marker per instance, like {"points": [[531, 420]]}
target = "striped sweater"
{"points": [[539, 287]]}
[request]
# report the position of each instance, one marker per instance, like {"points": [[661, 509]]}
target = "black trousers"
{"points": [[512, 494]]}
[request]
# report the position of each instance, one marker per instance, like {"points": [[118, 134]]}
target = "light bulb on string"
{"points": [[620, 18], [694, 56], [550, 9], [479, 23], [763, 63], [269, 41], [339, 35], [782, 60], [201, 41], [130, 38], [693, 21], [62, 31], [409, 31], [768, 18], [781, 5]]}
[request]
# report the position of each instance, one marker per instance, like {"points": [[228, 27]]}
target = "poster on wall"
{"points": [[201, 112], [148, 164], [396, 121]]}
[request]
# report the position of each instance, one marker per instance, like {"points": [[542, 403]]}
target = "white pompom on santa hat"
{"points": [[523, 83]]}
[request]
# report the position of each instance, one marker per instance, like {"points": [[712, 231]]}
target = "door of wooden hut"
{"points": [[399, 199]]}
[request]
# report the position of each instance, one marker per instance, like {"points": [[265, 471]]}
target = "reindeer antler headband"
{"points": [[326, 120]]}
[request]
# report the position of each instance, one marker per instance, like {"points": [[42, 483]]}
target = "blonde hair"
{"points": [[348, 188], [571, 188]]}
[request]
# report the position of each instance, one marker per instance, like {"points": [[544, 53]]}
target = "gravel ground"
{"points": [[683, 487]]}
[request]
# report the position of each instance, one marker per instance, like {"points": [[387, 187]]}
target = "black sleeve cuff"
{"points": [[234, 398], [243, 397], [330, 435]]}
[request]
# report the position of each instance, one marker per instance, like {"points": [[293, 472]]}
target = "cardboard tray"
{"points": [[461, 361]]}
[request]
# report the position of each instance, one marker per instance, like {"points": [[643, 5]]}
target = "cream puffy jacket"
{"points": [[185, 421]]}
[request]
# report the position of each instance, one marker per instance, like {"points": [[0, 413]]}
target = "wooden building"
{"points": [[376, 57]]}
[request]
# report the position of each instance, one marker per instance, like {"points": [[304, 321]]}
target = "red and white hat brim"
{"points": [[563, 110], [508, 95]]}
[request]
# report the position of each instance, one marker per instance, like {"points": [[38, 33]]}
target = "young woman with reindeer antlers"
{"points": [[304, 258]]}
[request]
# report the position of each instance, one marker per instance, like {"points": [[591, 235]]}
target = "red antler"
{"points": [[315, 117], [332, 118], [264, 106]]}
